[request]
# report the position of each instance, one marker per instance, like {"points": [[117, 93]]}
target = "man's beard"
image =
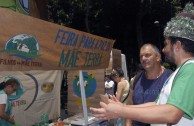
{"points": [[169, 58], [171, 63]]}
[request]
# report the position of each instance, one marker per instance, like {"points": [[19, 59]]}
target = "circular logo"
{"points": [[47, 87], [89, 85], [24, 46]]}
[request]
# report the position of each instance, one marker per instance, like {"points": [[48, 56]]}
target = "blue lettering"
{"points": [[66, 38], [76, 39], [92, 59], [101, 46], [83, 39], [63, 58], [86, 42], [92, 43], [96, 46], [58, 35], [108, 47], [63, 38], [70, 59], [70, 38]]}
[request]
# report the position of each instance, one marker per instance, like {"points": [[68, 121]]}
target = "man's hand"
{"points": [[111, 110]]}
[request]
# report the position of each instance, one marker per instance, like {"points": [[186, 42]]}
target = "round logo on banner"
{"points": [[24, 46], [89, 85], [47, 87]]}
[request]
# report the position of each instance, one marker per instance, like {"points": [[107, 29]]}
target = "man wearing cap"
{"points": [[175, 104]]}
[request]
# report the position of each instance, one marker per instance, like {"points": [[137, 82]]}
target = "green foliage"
{"points": [[60, 12], [103, 15], [72, 13]]}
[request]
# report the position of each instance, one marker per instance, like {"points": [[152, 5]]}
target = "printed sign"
{"points": [[27, 43], [38, 93], [93, 84]]}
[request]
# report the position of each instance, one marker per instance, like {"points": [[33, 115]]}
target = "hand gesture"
{"points": [[108, 111]]}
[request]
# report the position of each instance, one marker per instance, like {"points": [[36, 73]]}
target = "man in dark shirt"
{"points": [[148, 83]]}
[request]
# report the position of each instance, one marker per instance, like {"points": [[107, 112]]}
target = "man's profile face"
{"points": [[148, 57], [168, 51]]}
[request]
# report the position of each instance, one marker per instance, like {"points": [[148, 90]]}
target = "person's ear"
{"points": [[178, 45], [158, 56]]}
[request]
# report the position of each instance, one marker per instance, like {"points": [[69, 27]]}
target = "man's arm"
{"points": [[152, 114], [148, 104]]}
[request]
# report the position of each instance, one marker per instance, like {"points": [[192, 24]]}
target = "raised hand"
{"points": [[108, 111]]}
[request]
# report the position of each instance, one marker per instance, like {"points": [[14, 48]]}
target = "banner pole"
{"points": [[83, 96]]}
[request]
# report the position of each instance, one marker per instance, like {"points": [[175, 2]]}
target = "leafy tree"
{"points": [[77, 14]]}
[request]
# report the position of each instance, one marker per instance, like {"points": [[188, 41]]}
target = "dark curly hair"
{"points": [[187, 44], [117, 72], [11, 81]]}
